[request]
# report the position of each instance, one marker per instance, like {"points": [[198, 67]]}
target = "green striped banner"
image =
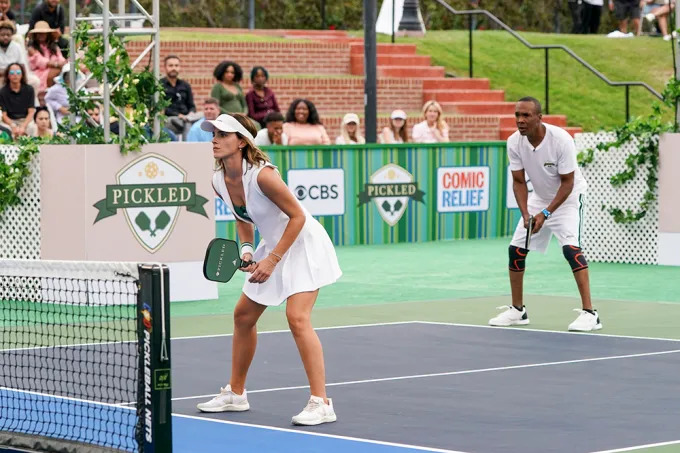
{"points": [[362, 224]]}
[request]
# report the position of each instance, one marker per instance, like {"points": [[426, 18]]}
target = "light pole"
{"points": [[410, 20]]}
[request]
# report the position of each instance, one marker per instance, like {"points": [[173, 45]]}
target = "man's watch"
{"points": [[546, 213]]}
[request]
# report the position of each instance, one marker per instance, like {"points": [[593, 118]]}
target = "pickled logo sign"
{"points": [[390, 188], [150, 191]]}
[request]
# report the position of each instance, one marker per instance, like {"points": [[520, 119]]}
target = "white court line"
{"points": [[638, 447], [526, 329], [452, 373], [68, 398], [311, 433], [198, 337]]}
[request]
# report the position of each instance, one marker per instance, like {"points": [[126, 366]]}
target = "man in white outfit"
{"points": [[547, 154]]}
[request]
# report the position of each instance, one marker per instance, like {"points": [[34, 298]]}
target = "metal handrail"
{"points": [[547, 48]]}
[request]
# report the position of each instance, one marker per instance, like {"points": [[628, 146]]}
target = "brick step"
{"points": [[330, 95], [278, 57], [506, 132], [382, 49], [357, 61], [413, 72], [464, 95], [455, 83], [556, 120], [325, 33], [479, 108]]}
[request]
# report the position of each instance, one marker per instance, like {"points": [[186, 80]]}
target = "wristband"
{"points": [[246, 247], [546, 213]]}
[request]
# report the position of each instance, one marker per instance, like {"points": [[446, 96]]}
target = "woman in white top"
{"points": [[434, 129], [349, 131], [294, 258], [396, 131]]}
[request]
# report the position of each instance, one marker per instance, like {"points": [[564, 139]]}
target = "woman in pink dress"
{"points": [[44, 56], [303, 126]]}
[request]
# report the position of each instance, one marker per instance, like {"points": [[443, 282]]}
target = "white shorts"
{"points": [[566, 223]]}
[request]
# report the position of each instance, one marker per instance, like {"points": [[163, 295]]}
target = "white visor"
{"points": [[226, 123]]}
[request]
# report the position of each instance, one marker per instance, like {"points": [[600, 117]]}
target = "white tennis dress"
{"points": [[309, 263]]}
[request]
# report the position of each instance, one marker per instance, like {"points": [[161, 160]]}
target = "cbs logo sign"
{"points": [[321, 191]]}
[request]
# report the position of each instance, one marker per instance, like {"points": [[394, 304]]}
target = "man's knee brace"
{"points": [[575, 257], [517, 257]]}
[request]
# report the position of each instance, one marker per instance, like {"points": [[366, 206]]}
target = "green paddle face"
{"points": [[222, 260]]}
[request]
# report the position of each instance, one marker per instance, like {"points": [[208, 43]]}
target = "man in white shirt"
{"points": [[273, 133], [10, 51], [547, 154]]}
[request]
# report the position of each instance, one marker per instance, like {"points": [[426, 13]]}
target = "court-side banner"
{"points": [[461, 189], [222, 211], [321, 191]]}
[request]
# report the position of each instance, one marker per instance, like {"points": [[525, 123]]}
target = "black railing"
{"points": [[473, 12]]}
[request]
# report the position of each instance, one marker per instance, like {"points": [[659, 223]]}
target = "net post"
{"points": [[154, 405]]}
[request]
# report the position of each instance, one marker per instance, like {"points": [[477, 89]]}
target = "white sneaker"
{"points": [[650, 17], [226, 401], [510, 317], [315, 413], [586, 321]]}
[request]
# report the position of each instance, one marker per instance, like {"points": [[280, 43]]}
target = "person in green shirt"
{"points": [[227, 90]]}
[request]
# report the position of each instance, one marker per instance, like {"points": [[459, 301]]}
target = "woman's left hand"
{"points": [[262, 270]]}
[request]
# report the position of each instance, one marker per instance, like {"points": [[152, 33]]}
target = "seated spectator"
{"points": [[44, 56], [227, 90], [181, 113], [434, 129], [41, 118], [94, 117], [50, 11], [260, 99], [57, 96], [6, 11], [349, 131], [10, 51], [17, 100], [396, 131], [303, 126], [272, 134], [660, 12], [211, 110]]}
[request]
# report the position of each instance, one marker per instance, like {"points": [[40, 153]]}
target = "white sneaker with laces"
{"points": [[226, 401], [316, 412], [510, 317], [586, 321]]}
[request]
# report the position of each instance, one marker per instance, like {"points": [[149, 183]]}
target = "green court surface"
{"points": [[463, 282]]}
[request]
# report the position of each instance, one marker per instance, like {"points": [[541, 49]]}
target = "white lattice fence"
{"points": [[605, 240], [20, 224]]}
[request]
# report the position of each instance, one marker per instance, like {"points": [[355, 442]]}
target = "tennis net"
{"points": [[75, 355]]}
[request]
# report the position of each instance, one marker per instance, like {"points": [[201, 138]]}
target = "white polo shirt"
{"points": [[554, 156]]}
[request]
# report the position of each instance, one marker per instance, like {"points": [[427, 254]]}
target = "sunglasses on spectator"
{"points": [[15, 72]]}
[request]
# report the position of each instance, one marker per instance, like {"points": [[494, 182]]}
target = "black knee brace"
{"points": [[575, 257], [517, 257]]}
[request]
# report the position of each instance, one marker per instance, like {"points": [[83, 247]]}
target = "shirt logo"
{"points": [[549, 164]]}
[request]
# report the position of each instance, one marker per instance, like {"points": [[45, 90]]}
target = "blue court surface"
{"points": [[421, 386]]}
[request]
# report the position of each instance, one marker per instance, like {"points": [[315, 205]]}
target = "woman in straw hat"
{"points": [[44, 56]]}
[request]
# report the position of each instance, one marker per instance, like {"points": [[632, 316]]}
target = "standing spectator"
{"points": [[591, 13], [17, 100], [303, 126], [260, 99], [51, 12], [211, 110], [576, 10], [624, 10], [57, 96], [10, 51], [6, 11], [41, 118], [396, 131], [181, 113], [227, 90], [272, 134], [44, 56], [434, 129], [349, 131]]}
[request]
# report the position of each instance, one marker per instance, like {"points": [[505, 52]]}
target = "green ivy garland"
{"points": [[139, 93]]}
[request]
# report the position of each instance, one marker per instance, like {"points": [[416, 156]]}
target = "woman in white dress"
{"points": [[294, 258]]}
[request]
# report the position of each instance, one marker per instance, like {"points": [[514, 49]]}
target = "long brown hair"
{"points": [[253, 155], [402, 131]]}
